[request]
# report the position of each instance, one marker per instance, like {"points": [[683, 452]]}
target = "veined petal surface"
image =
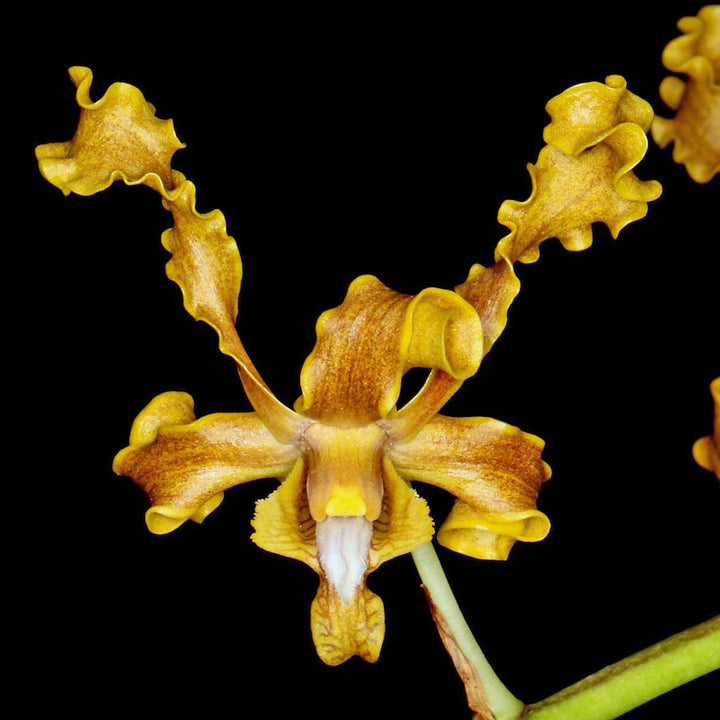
{"points": [[366, 344], [585, 114], [184, 465], [118, 137], [491, 292], [206, 265], [495, 470], [585, 175]]}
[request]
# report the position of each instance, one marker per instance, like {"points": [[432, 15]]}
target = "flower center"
{"points": [[344, 470], [343, 544]]}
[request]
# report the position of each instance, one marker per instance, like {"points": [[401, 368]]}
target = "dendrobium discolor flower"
{"points": [[345, 453], [695, 128], [706, 450]]}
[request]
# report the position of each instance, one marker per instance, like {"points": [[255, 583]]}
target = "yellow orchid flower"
{"points": [[695, 129], [345, 454], [706, 450]]}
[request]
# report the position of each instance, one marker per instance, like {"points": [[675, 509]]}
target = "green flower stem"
{"points": [[638, 678], [504, 704], [606, 694]]}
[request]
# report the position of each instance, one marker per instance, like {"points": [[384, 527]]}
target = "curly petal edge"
{"points": [[695, 128]]}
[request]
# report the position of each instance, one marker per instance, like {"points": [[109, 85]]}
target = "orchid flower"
{"points": [[695, 129], [345, 454]]}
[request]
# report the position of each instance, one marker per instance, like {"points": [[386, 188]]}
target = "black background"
{"points": [[338, 144]]}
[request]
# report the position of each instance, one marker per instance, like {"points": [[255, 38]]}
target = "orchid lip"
{"points": [[343, 543]]}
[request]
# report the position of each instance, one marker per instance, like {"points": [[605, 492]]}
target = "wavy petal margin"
{"points": [[585, 173], [119, 137], [494, 470], [103, 150], [184, 465], [695, 128], [706, 451], [365, 345]]}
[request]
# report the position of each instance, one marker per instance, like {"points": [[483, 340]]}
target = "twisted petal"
{"points": [[695, 128], [495, 471], [184, 464], [118, 137], [206, 265], [584, 175], [585, 114], [491, 291], [706, 451], [205, 262], [365, 345]]}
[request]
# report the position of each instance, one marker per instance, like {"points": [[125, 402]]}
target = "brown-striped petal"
{"points": [[490, 291], [206, 265], [494, 469], [442, 383], [117, 138], [365, 345], [585, 173], [120, 138], [184, 465]]}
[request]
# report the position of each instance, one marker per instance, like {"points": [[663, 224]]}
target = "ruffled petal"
{"points": [[184, 465], [206, 265], [584, 175], [491, 292], [365, 345], [496, 472], [706, 451], [585, 114], [695, 128], [118, 138]]}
